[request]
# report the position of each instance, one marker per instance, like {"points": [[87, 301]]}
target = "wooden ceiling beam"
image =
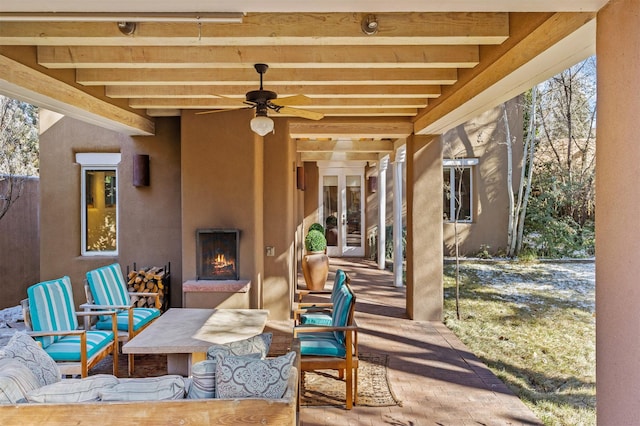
{"points": [[248, 76], [224, 103], [354, 128], [370, 146], [46, 91], [533, 35], [338, 156], [269, 29], [459, 56], [364, 112], [327, 91]]}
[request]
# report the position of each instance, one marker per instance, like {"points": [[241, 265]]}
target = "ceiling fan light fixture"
{"points": [[261, 124]]}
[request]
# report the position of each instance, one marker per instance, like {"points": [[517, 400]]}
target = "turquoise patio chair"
{"points": [[335, 346], [319, 313], [50, 313], [108, 290]]}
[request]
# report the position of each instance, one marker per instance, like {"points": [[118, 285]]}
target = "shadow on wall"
{"points": [[20, 245]]}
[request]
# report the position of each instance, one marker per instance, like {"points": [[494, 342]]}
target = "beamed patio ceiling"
{"points": [[430, 65]]}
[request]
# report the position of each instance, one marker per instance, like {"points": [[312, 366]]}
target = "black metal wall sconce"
{"points": [[373, 184], [141, 170], [300, 178]]}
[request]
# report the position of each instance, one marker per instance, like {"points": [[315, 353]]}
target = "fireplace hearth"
{"points": [[217, 254]]}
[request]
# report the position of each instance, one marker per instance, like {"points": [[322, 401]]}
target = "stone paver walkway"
{"points": [[434, 375]]}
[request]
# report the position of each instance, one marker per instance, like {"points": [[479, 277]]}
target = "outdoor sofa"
{"points": [[31, 392]]}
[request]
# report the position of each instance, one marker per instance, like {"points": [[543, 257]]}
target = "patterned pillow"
{"points": [[244, 377], [146, 389], [16, 380], [26, 350], [256, 344], [203, 374], [73, 390]]}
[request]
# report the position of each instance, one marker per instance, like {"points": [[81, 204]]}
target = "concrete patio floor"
{"points": [[434, 375]]}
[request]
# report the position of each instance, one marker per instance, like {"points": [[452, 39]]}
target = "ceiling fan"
{"points": [[264, 100]]}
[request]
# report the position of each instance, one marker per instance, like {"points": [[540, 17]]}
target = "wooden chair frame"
{"points": [[73, 368], [307, 307], [348, 366], [122, 337]]}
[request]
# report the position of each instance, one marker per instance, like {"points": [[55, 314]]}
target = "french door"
{"points": [[341, 209]]}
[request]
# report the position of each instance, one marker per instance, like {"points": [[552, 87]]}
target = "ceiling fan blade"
{"points": [[303, 113], [292, 100]]}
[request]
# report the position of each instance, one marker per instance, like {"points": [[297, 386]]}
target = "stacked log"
{"points": [[149, 280]]}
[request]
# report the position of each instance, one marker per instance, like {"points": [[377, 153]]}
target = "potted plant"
{"points": [[315, 263]]}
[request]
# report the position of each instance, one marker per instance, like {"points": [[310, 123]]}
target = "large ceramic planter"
{"points": [[315, 268]]}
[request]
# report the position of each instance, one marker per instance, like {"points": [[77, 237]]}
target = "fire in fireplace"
{"points": [[217, 254]]}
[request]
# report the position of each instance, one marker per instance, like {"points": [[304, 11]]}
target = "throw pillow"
{"points": [[244, 377], [256, 344], [26, 350], [146, 389], [203, 374], [16, 380], [73, 390]]}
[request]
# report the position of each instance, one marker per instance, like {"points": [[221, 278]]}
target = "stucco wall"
{"points": [[233, 178], [149, 232], [484, 138], [280, 194], [222, 187], [20, 246]]}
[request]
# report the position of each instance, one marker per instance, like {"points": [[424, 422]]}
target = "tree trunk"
{"points": [[511, 230]]}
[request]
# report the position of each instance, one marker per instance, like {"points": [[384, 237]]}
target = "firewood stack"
{"points": [[149, 280]]}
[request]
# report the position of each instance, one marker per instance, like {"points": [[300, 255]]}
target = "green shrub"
{"points": [[316, 227], [315, 241], [484, 253], [373, 243]]}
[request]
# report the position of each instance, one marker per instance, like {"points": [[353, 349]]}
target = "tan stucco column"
{"points": [[617, 214], [424, 228]]}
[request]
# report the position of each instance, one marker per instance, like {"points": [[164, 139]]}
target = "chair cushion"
{"points": [[316, 318], [338, 282], [52, 308], [321, 344], [141, 317], [246, 377], [341, 308], [256, 344], [68, 348], [108, 286], [146, 389], [24, 349], [16, 380]]}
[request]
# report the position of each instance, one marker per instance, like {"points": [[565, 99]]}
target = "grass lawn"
{"points": [[533, 324]]}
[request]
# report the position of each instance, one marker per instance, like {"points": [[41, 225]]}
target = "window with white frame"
{"points": [[99, 203], [457, 195]]}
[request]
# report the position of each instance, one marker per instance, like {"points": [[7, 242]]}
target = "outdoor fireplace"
{"points": [[217, 254]]}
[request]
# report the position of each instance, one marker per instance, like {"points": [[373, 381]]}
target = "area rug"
{"points": [[324, 388], [147, 365]]}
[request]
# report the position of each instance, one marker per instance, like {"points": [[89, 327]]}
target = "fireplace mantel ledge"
{"points": [[215, 286]]}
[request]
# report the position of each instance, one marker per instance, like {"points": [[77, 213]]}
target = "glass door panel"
{"points": [[341, 208], [354, 210], [330, 209]]}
